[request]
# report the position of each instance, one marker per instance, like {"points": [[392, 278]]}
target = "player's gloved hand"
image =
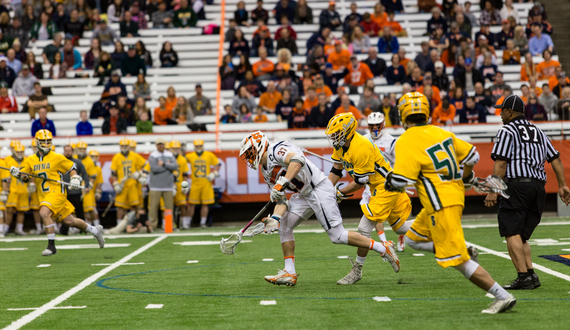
{"points": [[136, 175], [174, 189], [468, 181], [213, 175], [118, 187], [98, 194], [389, 186], [184, 189], [271, 223], [278, 191], [4, 196], [15, 171], [340, 196], [75, 182], [31, 188], [143, 179]]}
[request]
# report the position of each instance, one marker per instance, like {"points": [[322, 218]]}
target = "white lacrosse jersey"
{"points": [[303, 183], [386, 143]]}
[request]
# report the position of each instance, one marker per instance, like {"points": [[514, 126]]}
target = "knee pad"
{"points": [[285, 233], [366, 226], [467, 268], [404, 228], [338, 235]]}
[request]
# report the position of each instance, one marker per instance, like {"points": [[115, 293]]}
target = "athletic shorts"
{"points": [[129, 197], [443, 228], [89, 201], [180, 198], [2, 206], [520, 214], [59, 205], [19, 201], [34, 201], [394, 208], [201, 194]]}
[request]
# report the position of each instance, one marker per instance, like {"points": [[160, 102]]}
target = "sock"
{"points": [[530, 271], [382, 236], [1, 228], [290, 264], [497, 291], [524, 275], [6, 228], [186, 221], [360, 259], [19, 227], [51, 237], [96, 222], [376, 246], [92, 230], [39, 226], [203, 221]]}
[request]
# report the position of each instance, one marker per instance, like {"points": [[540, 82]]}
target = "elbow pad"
{"points": [[298, 159], [472, 159], [336, 172], [361, 179]]}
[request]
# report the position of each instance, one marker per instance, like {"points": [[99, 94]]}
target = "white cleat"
{"points": [[99, 236], [501, 305], [353, 276], [21, 233], [391, 256], [401, 244], [282, 277], [48, 252]]}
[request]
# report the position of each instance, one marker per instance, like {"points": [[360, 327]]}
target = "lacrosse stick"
{"points": [[228, 245], [492, 184], [41, 177]]}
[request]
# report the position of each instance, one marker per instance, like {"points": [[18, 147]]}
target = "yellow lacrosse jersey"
{"points": [[52, 166], [16, 186], [429, 157], [98, 177], [89, 165], [4, 175], [182, 168], [126, 166], [200, 166], [364, 158]]}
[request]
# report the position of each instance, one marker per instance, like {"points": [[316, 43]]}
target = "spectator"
{"points": [[269, 100], [533, 87], [285, 25], [8, 103], [320, 86], [563, 106], [388, 43], [468, 76], [436, 20], [115, 86], [368, 103], [438, 40], [51, 49], [490, 15], [498, 86], [488, 69], [337, 103], [449, 56], [425, 6], [395, 74], [181, 114], [443, 114], [200, 104], [128, 27], [35, 67], [92, 19], [60, 17], [520, 40], [358, 74], [252, 85], [12, 62], [184, 17], [74, 28], [360, 41], [299, 116], [423, 58], [379, 16], [548, 99], [545, 69], [504, 35], [283, 61], [6, 41], [369, 25], [353, 14], [553, 81], [144, 125], [243, 97], [339, 58], [143, 53], [376, 65], [138, 15], [397, 29], [284, 8], [259, 116], [485, 31], [242, 67], [285, 41], [44, 29], [393, 5], [245, 115], [115, 11], [17, 32], [259, 13], [391, 113], [330, 17], [24, 84], [229, 117], [104, 68], [321, 114], [455, 35], [162, 19], [534, 110], [132, 65], [317, 60], [84, 127], [528, 69], [29, 18], [126, 110], [285, 106], [36, 101], [240, 15], [562, 83], [464, 24], [468, 14], [440, 79], [458, 100], [262, 39], [171, 98], [311, 100], [474, 113], [351, 23], [227, 73], [511, 56], [168, 56], [118, 54], [58, 69], [331, 79], [540, 42], [345, 107], [100, 109], [239, 45], [231, 30], [162, 114], [140, 107], [43, 123], [141, 88], [263, 68], [509, 11], [415, 79], [105, 34], [303, 13], [114, 124], [6, 73], [71, 56], [19, 52], [318, 38]]}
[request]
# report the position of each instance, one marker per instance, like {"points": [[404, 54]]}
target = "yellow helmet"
{"points": [[44, 140], [18, 147], [175, 144], [198, 142], [52, 147], [94, 153], [167, 145], [33, 143], [14, 143], [340, 129], [73, 145], [125, 142], [413, 103], [133, 143]]}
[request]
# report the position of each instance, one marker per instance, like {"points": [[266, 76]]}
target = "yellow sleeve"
{"points": [[115, 164], [337, 155], [63, 164], [26, 167], [146, 168], [91, 169], [184, 167], [140, 162], [403, 168], [463, 150], [99, 178]]}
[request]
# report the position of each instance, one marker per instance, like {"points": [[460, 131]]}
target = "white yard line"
{"points": [[88, 281], [535, 265], [34, 308]]}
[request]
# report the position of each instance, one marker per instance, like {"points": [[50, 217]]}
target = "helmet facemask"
{"points": [[44, 145], [376, 130], [337, 139], [125, 149]]}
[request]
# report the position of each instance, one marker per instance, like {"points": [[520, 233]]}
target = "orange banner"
{"points": [[240, 184]]}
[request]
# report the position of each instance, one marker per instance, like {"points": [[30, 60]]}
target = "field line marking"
{"points": [[34, 308], [535, 265], [88, 281]]}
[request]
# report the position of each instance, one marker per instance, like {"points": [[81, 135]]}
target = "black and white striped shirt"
{"points": [[525, 147]]}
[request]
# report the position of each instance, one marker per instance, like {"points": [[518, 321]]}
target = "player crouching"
{"points": [[54, 205], [284, 167]]}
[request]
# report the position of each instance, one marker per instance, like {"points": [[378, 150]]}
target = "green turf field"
{"points": [[224, 292]]}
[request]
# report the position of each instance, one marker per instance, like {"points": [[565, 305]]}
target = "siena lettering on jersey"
{"points": [[41, 167]]}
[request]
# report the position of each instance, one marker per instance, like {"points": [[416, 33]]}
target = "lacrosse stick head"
{"points": [[254, 230], [492, 184], [228, 245]]}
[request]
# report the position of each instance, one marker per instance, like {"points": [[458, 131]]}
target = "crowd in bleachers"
{"points": [[310, 93]]}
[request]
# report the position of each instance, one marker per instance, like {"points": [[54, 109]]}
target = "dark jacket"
{"points": [[460, 77], [536, 111], [441, 82], [132, 27], [318, 119], [132, 65], [478, 112], [289, 44], [99, 110], [394, 75], [393, 114], [74, 28], [326, 18], [184, 17], [388, 46], [378, 68], [267, 43], [332, 81], [241, 46], [121, 125], [254, 87], [118, 84], [289, 11], [433, 23], [315, 39], [168, 59], [393, 5], [8, 75], [37, 125], [258, 14]]}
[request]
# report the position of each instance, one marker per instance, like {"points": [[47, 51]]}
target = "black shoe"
{"points": [[535, 280], [518, 284]]}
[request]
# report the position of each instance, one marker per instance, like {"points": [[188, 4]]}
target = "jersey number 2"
{"points": [[44, 187], [448, 162]]}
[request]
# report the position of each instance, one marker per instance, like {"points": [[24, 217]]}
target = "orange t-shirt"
{"points": [[380, 20], [260, 119], [325, 90], [339, 59], [404, 63], [328, 49], [308, 104], [553, 82], [546, 70], [269, 100], [499, 102], [396, 27], [160, 116], [286, 66], [538, 91], [478, 50], [439, 117], [358, 76], [171, 103], [515, 54], [525, 99], [436, 93], [352, 109], [524, 75], [448, 62], [262, 67]]}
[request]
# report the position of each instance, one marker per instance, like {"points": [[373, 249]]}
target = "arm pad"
{"points": [[336, 172], [471, 160], [298, 159]]}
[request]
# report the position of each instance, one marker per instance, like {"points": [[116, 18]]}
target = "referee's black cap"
{"points": [[512, 102]]}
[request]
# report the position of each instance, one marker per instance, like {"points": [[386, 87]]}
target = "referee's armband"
{"points": [[336, 172]]}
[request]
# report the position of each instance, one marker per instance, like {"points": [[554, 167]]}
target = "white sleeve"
{"points": [[392, 152], [278, 152]]}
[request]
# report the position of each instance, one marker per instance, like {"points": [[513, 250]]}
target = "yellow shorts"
{"points": [[19, 201], [179, 198], [2, 206], [392, 208], [34, 201], [443, 228], [201, 194], [129, 197], [89, 201], [59, 205]]}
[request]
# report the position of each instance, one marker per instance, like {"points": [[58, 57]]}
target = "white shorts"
{"points": [[321, 202]]}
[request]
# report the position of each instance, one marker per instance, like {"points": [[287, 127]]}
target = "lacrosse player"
{"points": [[204, 166], [34, 199], [284, 167], [180, 197], [429, 158], [15, 193]]}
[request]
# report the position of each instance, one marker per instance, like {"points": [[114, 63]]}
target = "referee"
{"points": [[519, 153]]}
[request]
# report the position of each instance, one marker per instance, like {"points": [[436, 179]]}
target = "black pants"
{"points": [[77, 202], [520, 214]]}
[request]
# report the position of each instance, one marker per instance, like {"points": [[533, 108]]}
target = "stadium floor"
{"points": [[194, 285]]}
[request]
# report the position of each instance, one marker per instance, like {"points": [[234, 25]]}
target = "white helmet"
{"points": [[252, 148], [376, 118]]}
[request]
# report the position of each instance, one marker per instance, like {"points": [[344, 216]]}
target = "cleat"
{"points": [[401, 244], [99, 237], [473, 253], [47, 252], [535, 280], [519, 284], [20, 233], [391, 256], [282, 277], [353, 276], [500, 306]]}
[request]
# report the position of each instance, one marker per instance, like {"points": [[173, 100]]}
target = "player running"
{"points": [[123, 166], [89, 200], [365, 163], [284, 167], [34, 199], [180, 199], [204, 166], [429, 157], [91, 212], [15, 192], [54, 205]]}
